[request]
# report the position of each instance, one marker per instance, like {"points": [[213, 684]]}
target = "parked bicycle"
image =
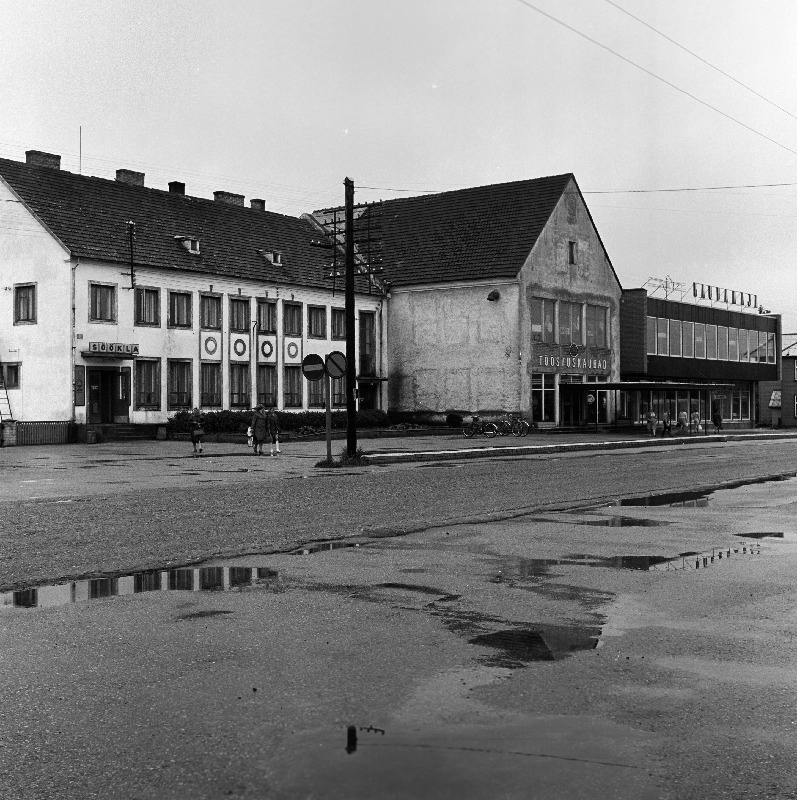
{"points": [[514, 425], [489, 429]]}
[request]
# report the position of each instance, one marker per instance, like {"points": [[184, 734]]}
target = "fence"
{"points": [[45, 433]]}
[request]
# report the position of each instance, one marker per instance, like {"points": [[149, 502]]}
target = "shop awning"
{"points": [[646, 386]]}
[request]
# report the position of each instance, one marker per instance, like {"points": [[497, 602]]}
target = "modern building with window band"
{"points": [[678, 356]]}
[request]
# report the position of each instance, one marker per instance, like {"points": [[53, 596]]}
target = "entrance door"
{"points": [[109, 395], [569, 406], [367, 393]]}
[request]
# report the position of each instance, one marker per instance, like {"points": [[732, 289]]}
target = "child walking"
{"points": [[273, 423], [197, 431]]}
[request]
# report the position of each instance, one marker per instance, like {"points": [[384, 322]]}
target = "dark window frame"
{"points": [[267, 398], [239, 302], [171, 392], [155, 403], [240, 399], [140, 292], [112, 287], [18, 289], [291, 399], [338, 319], [187, 326], [270, 317], [313, 312], [207, 398], [12, 374], [289, 317], [204, 299]]}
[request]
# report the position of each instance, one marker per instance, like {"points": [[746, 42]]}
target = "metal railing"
{"points": [[29, 433]]}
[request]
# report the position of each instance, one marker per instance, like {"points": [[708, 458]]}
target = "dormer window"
{"points": [[189, 243], [272, 256]]}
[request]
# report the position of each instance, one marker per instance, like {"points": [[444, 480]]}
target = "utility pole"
{"points": [[351, 366]]}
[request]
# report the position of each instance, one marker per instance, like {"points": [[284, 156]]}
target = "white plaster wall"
{"points": [[30, 254], [164, 342], [450, 349]]}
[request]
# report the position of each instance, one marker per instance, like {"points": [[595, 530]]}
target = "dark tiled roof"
{"points": [[470, 234], [90, 215]]}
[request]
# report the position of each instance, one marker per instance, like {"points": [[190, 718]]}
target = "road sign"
{"points": [[336, 364], [313, 367]]}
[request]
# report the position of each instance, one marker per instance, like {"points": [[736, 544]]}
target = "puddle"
{"points": [[699, 498], [520, 646], [606, 522], [320, 547], [762, 535], [187, 579]]}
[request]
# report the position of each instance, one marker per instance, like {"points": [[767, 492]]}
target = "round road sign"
{"points": [[336, 364], [313, 367]]}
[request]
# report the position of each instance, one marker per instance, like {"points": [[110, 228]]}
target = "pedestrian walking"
{"points": [[716, 417], [273, 422], [667, 430], [259, 427], [653, 421], [197, 430], [683, 420]]}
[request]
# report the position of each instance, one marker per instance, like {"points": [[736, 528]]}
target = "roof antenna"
{"points": [[80, 148]]}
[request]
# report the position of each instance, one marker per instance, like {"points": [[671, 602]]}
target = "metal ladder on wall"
{"points": [[5, 405]]}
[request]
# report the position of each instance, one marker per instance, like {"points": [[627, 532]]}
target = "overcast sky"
{"points": [[282, 99]]}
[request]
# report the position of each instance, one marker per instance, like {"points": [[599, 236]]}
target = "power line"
{"points": [[653, 74], [700, 58]]}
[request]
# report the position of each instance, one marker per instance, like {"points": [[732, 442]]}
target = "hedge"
{"points": [[239, 421]]}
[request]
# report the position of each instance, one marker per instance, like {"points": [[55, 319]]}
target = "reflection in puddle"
{"points": [[521, 646], [605, 522], [201, 579], [320, 547]]}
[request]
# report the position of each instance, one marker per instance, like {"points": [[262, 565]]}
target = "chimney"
{"points": [[229, 198], [176, 187], [128, 176], [258, 205], [37, 158]]}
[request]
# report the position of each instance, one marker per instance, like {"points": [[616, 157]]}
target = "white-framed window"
{"points": [[210, 312], [292, 319], [722, 343], [179, 384], [711, 342], [11, 374], [733, 344], [239, 314], [317, 322], [651, 331], [700, 340], [179, 309], [663, 336], [148, 384], [688, 339], [675, 337], [148, 306]]}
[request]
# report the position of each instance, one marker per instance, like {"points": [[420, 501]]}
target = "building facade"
{"points": [[125, 304], [725, 354], [502, 299]]}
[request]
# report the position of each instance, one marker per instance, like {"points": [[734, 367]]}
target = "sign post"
{"points": [[335, 368]]}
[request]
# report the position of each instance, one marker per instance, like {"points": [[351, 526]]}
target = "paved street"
{"points": [[506, 647]]}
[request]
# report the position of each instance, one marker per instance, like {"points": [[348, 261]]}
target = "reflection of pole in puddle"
{"points": [[351, 739]]}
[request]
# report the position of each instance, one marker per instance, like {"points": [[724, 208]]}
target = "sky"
{"points": [[283, 99]]}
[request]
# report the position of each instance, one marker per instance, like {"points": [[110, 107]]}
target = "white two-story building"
{"points": [[122, 304]]}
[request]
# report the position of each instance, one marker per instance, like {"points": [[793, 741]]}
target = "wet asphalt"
{"points": [[503, 647]]}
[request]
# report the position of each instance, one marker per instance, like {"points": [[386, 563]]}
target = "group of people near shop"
{"points": [[683, 422], [263, 427]]}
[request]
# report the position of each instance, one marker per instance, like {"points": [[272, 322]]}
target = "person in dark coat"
{"points": [[197, 430], [259, 426], [273, 423]]}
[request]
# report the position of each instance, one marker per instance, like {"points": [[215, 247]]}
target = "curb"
{"points": [[528, 450]]}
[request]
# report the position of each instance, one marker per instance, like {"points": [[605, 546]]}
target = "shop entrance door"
{"points": [[570, 412], [109, 395]]}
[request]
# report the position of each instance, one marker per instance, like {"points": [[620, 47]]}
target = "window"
{"points": [[663, 337], [543, 389], [542, 320], [148, 384], [722, 343], [210, 312], [744, 350], [25, 303], [596, 326], [292, 389], [210, 385], [292, 322], [795, 369], [700, 340], [239, 314], [239, 385], [266, 316], [572, 249], [338, 323], [570, 323], [651, 330], [675, 337], [711, 341], [771, 348], [179, 384], [339, 392], [367, 344], [148, 311], [733, 344], [315, 394], [267, 384], [762, 347], [10, 373], [688, 339], [179, 310], [102, 303], [317, 322]]}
